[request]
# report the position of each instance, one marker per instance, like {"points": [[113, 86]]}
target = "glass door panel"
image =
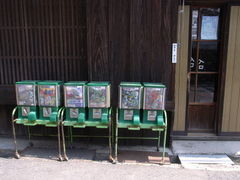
{"points": [[203, 68]]}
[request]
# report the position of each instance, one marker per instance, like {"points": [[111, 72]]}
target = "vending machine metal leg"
{"points": [[29, 137], [159, 140], [116, 144], [63, 136], [59, 136], [165, 136], [17, 156], [116, 139], [110, 135]]}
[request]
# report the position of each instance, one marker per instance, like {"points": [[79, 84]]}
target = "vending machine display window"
{"points": [[98, 96], [74, 96], [49, 95], [26, 95], [154, 98], [130, 97], [130, 102]]}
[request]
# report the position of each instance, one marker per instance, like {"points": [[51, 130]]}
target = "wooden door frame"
{"points": [[225, 10], [225, 27]]}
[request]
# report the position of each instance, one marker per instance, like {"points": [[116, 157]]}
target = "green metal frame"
{"points": [[153, 127], [29, 123], [75, 124]]}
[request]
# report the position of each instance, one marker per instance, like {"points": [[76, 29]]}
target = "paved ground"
{"points": [[41, 163], [88, 161], [41, 168]]}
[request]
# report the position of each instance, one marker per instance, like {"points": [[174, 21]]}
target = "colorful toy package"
{"points": [[130, 97], [47, 95], [97, 96], [26, 95], [154, 98], [74, 96]]}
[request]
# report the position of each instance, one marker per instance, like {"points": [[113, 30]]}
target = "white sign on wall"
{"points": [[174, 52]]}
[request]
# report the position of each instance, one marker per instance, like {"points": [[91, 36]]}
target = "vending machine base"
{"points": [[87, 123], [130, 126], [29, 123]]}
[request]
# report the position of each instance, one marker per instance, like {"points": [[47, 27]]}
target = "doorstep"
{"points": [[205, 147]]}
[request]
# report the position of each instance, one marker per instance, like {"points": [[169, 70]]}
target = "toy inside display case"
{"points": [[38, 103], [26, 96], [98, 101], [153, 103], [49, 98], [141, 106], [87, 105], [130, 102], [75, 101]]}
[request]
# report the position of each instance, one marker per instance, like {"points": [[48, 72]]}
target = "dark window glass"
{"points": [[206, 86], [192, 88], [208, 56]]}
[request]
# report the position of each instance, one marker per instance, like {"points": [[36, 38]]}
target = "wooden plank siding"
{"points": [[141, 33], [41, 39], [181, 71], [109, 40], [98, 40], [231, 108]]}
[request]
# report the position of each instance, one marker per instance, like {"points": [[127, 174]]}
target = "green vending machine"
{"points": [[154, 104], [29, 114], [130, 103], [75, 102], [132, 114], [99, 103], [49, 99], [87, 105], [26, 95]]}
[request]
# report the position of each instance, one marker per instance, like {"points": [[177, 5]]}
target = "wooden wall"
{"points": [[113, 40], [130, 40], [231, 106], [41, 39], [181, 71]]}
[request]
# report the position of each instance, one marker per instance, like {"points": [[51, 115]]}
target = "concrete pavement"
{"points": [[88, 161], [206, 147], [36, 168]]}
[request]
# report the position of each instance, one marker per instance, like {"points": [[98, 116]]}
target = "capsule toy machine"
{"points": [[87, 105], [130, 103], [133, 115], [29, 114], [75, 102], [49, 98], [99, 102], [26, 96], [153, 103]]}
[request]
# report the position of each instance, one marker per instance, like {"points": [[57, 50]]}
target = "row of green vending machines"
{"points": [[87, 104]]}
